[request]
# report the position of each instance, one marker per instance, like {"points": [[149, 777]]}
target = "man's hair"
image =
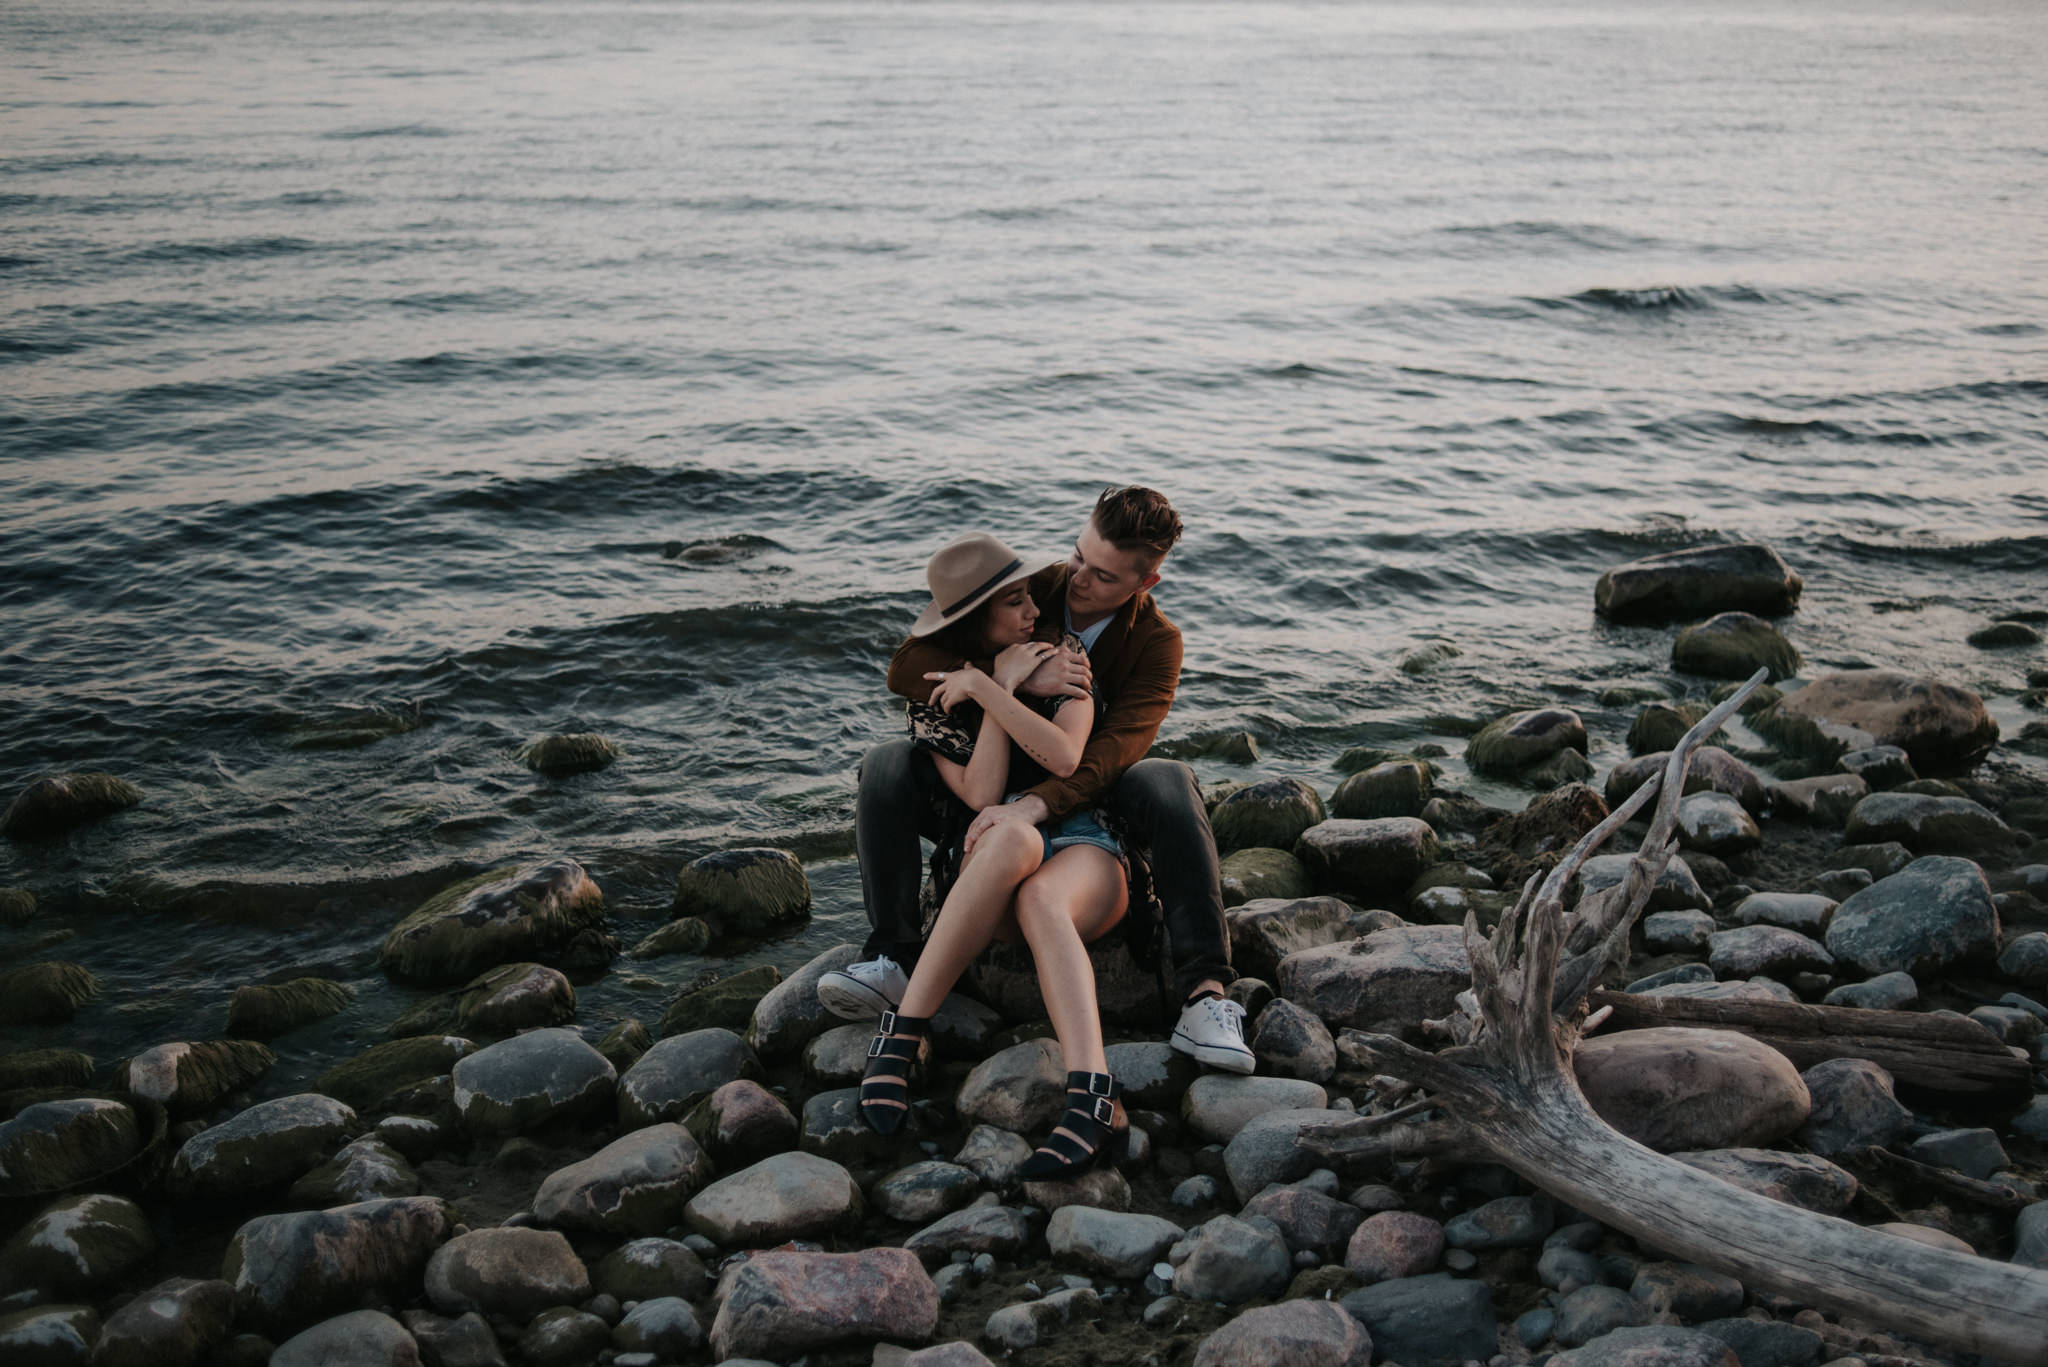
{"points": [[1133, 518]]}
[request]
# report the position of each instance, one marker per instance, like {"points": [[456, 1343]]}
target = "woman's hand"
{"points": [[956, 686], [1018, 662]]}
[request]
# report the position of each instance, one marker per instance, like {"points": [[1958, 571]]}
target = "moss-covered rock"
{"points": [[531, 1080], [1421, 659], [688, 935], [514, 997], [77, 1246], [1506, 746], [722, 1003], [1398, 788], [1942, 727], [45, 993], [367, 1079], [535, 912], [188, 1078], [16, 905], [1267, 815], [51, 1145], [1661, 725], [624, 1043], [271, 1144], [1255, 873], [51, 806], [348, 727], [1734, 645], [745, 892], [2000, 634], [366, 1169], [1698, 582], [267, 1010], [1231, 747], [580, 753], [1762, 696], [49, 1336], [44, 1068]]}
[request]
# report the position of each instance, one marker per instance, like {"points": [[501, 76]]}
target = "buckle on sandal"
{"points": [[1101, 1084], [1105, 1110], [875, 1046]]}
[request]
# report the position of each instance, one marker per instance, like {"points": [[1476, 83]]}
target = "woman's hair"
{"points": [[965, 637]]}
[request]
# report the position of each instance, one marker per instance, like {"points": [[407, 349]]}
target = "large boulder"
{"points": [[508, 1271], [636, 1184], [1367, 861], [1673, 1088], [531, 1080], [270, 1144], [291, 1270], [77, 1246], [1933, 915], [789, 1015], [188, 1078], [788, 1196], [1928, 824], [1511, 745], [49, 1146], [670, 1079], [51, 806], [782, 1304], [1733, 645], [1698, 582], [1431, 1321], [1268, 929], [533, 912], [745, 892], [1942, 727], [1387, 982]]}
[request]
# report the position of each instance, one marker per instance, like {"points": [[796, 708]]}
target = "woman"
{"points": [[1057, 887]]}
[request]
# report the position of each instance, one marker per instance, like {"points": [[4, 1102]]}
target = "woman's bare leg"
{"points": [[1076, 897], [979, 904]]}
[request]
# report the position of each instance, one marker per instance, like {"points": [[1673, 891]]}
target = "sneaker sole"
{"points": [[1216, 1056], [851, 999]]}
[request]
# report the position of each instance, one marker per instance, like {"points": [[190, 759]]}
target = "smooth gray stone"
{"points": [[1430, 1321], [1761, 1343], [1233, 1262], [1886, 992], [1592, 1311], [1509, 1222], [1974, 1153]]}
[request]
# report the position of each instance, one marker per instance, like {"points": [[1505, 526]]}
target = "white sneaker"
{"points": [[1211, 1031], [862, 991]]}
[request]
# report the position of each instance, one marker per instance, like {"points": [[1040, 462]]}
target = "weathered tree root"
{"points": [[1505, 1092]]}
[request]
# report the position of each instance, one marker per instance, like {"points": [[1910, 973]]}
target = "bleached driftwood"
{"points": [[1504, 1091]]}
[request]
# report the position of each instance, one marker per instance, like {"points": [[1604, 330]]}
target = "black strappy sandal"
{"points": [[885, 1089], [1093, 1129]]}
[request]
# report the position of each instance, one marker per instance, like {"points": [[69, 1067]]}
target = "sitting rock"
{"points": [[51, 806], [175, 1323], [1715, 824], [732, 1003], [787, 1196], [189, 1078], [511, 1271], [742, 1119], [1394, 1244], [1268, 815], [531, 1080], [1710, 770], [787, 1303], [1943, 728], [1853, 1108], [1387, 982], [77, 1246], [1399, 788], [1773, 951], [745, 892], [1826, 799], [293, 1270], [1798, 1179], [1432, 1321], [1929, 825], [1521, 741], [537, 912], [1733, 645], [1291, 1043], [1233, 1262], [1694, 583], [1266, 930], [1672, 1088], [515, 997], [1931, 917], [635, 1185], [267, 1011], [1259, 874], [671, 1078], [560, 756], [268, 1145], [1304, 1333], [47, 993]]}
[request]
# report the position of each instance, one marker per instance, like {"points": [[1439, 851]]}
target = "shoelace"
{"points": [[1225, 1008]]}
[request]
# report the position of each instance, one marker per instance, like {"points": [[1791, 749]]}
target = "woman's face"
{"points": [[1011, 615]]}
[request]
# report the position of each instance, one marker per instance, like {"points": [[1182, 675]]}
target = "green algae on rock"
{"points": [[188, 1078], [267, 1010], [559, 756], [44, 1068], [45, 993], [722, 1003], [1733, 645], [1231, 747], [1509, 745], [1698, 582], [514, 997], [59, 1143], [377, 1072], [1251, 874], [535, 911], [1267, 815], [624, 1043], [1397, 788], [687, 935], [1943, 728], [78, 1245], [53, 805], [745, 892], [1661, 725], [16, 905]]}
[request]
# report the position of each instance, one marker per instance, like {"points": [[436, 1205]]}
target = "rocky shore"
{"points": [[494, 1185]]}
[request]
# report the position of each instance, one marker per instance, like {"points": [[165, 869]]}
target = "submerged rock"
{"points": [[50, 806], [45, 993], [787, 1303], [1267, 815], [266, 1011], [1734, 645], [725, 1003], [35, 1068], [534, 912], [688, 935], [1943, 727], [1520, 741], [188, 1078], [1659, 727], [559, 756], [1694, 583], [745, 892]]}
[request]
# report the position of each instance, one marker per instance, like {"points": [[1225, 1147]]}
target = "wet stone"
{"points": [[533, 912], [1592, 1311], [1102, 1187], [1934, 915], [924, 1191], [77, 1246], [1567, 1269], [1716, 824], [998, 1230], [1676, 889], [1266, 815], [1927, 824], [1674, 1088], [266, 1011], [1268, 1149], [1266, 930], [672, 1077], [1367, 860], [1691, 584], [366, 1169], [366, 1080], [832, 1127], [1022, 1089], [269, 1144], [1110, 1243], [1853, 1108], [1826, 799], [2025, 960], [510, 1271], [564, 1337], [788, 1015], [689, 935], [1292, 1043], [558, 756], [531, 1080], [1154, 1074], [637, 1184], [1765, 1343], [742, 1121], [1261, 875], [650, 1268], [727, 1003], [1394, 1244], [1519, 741], [1733, 645], [1395, 788], [745, 892], [665, 1326], [624, 1043], [1748, 951], [46, 993], [1941, 727], [787, 1196], [1387, 982], [172, 1324], [994, 1155], [1805, 912], [839, 1057], [461, 1341], [53, 805], [1432, 1321], [515, 997], [361, 1338]]}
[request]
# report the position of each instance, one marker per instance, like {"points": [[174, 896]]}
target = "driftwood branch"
{"points": [[1506, 1092]]}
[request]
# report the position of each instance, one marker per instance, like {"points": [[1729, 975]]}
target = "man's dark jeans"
{"points": [[1156, 800]]}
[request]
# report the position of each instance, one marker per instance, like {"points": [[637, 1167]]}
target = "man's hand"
{"points": [[1031, 810], [1062, 674]]}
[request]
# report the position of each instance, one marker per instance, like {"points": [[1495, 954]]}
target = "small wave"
{"points": [[1523, 233], [2009, 330], [695, 490], [1651, 299], [396, 130], [222, 250], [719, 550], [2019, 554], [1037, 213]]}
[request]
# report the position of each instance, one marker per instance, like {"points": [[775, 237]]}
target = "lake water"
{"points": [[438, 376]]}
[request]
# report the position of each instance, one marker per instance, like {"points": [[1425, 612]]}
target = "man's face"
{"points": [[1101, 578]]}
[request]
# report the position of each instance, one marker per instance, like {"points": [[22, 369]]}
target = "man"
{"points": [[1102, 595]]}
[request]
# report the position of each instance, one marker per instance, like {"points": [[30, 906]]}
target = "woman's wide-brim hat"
{"points": [[965, 575]]}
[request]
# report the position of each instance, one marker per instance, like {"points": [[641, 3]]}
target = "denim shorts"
{"points": [[1078, 828]]}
